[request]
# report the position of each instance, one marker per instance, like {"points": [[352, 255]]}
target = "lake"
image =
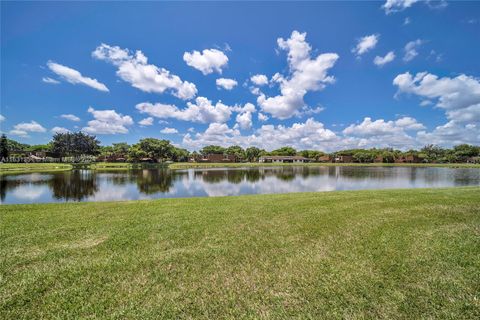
{"points": [[91, 185]]}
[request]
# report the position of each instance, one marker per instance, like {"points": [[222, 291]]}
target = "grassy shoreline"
{"points": [[6, 168], [33, 167], [349, 254]]}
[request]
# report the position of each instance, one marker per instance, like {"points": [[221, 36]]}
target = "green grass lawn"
{"points": [[113, 165], [33, 167], [45, 167], [403, 254]]}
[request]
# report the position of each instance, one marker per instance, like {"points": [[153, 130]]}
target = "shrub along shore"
{"points": [[406, 254]]}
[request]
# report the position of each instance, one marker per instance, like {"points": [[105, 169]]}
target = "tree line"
{"points": [[79, 144]]}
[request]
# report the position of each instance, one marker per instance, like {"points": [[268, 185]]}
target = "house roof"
{"points": [[34, 157]]}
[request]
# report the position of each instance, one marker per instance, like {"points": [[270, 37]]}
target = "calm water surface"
{"points": [[88, 185]]}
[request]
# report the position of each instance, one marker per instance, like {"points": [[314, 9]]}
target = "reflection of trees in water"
{"points": [[73, 185], [148, 181], [153, 181], [3, 189], [211, 176], [287, 174], [119, 178], [379, 173], [306, 172], [253, 175], [236, 176], [466, 177]]}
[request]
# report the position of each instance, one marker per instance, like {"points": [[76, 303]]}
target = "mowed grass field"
{"points": [[391, 254], [33, 167]]}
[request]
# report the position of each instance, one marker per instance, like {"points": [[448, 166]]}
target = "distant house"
{"points": [[378, 159], [411, 158], [38, 154], [34, 155], [35, 158], [283, 159], [325, 158], [473, 160], [344, 159], [215, 157]]}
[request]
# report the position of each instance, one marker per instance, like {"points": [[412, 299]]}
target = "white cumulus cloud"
{"points": [[75, 77], [168, 130], [306, 74], [411, 49], [59, 130], [22, 129], [366, 44], [207, 61], [227, 84], [391, 6], [107, 122], [202, 111], [146, 122], [244, 120], [50, 80], [380, 127], [70, 117], [381, 61], [458, 96], [262, 117], [450, 134], [134, 69], [259, 79]]}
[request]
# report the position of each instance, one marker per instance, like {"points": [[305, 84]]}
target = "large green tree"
{"points": [[16, 146], [388, 156], [4, 152], [311, 154], [180, 155], [135, 153], [75, 144], [39, 147], [433, 153], [212, 149], [364, 156], [284, 151], [236, 151], [106, 150], [464, 151], [120, 148], [253, 153], [159, 150]]}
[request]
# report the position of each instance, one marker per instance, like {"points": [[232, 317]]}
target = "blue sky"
{"points": [[330, 75]]}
